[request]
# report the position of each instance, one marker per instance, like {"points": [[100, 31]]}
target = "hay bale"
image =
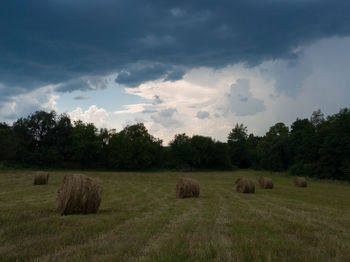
{"points": [[266, 182], [78, 194], [300, 182], [41, 178], [187, 187], [245, 185], [238, 179]]}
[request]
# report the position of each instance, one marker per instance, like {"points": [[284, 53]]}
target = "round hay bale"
{"points": [[266, 182], [78, 194], [238, 179], [187, 187], [245, 185], [41, 178], [300, 182]]}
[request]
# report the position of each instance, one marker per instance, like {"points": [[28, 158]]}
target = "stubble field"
{"points": [[141, 220]]}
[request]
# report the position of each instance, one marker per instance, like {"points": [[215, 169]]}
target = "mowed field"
{"points": [[141, 220]]}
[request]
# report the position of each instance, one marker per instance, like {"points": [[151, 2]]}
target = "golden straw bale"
{"points": [[266, 182], [300, 182], [78, 194], [41, 178], [245, 185], [187, 187]]}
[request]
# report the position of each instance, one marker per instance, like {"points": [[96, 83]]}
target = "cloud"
{"points": [[23, 104], [166, 118], [325, 61], [157, 100], [95, 115], [169, 112], [83, 84], [55, 46], [139, 73], [203, 114], [81, 97], [149, 111], [132, 109], [241, 101], [257, 96], [254, 96]]}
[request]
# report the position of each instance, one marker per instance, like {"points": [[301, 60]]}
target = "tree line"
{"points": [[315, 147]]}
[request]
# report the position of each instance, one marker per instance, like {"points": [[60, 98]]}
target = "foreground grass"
{"points": [[141, 220]]}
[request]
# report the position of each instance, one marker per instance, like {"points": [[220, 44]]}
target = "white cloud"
{"points": [[203, 114], [167, 118], [132, 109], [260, 96], [95, 115], [241, 101], [42, 98]]}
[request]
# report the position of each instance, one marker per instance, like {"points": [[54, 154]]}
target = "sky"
{"points": [[194, 67]]}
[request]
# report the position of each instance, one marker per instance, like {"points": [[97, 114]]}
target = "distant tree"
{"points": [[334, 152], [41, 124], [252, 148], [61, 140], [86, 146], [203, 151], [8, 143], [237, 142], [26, 143], [317, 118], [274, 149], [314, 147], [199, 152], [182, 151], [134, 148], [104, 137], [305, 145], [304, 142], [221, 156]]}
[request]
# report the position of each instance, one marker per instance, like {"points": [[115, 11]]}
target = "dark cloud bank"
{"points": [[59, 41]]}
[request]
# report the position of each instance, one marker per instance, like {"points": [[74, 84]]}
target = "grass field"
{"points": [[141, 220]]}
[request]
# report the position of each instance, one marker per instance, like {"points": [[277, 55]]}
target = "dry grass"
{"points": [[140, 219]]}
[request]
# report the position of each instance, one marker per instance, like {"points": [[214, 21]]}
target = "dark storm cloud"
{"points": [[57, 41], [138, 74], [83, 84]]}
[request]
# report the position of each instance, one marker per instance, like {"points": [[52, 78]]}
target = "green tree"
{"points": [[334, 152], [26, 144], [237, 142], [274, 149], [86, 146], [305, 144], [221, 156], [252, 148], [317, 118], [134, 148], [203, 152], [8, 143], [181, 151]]}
